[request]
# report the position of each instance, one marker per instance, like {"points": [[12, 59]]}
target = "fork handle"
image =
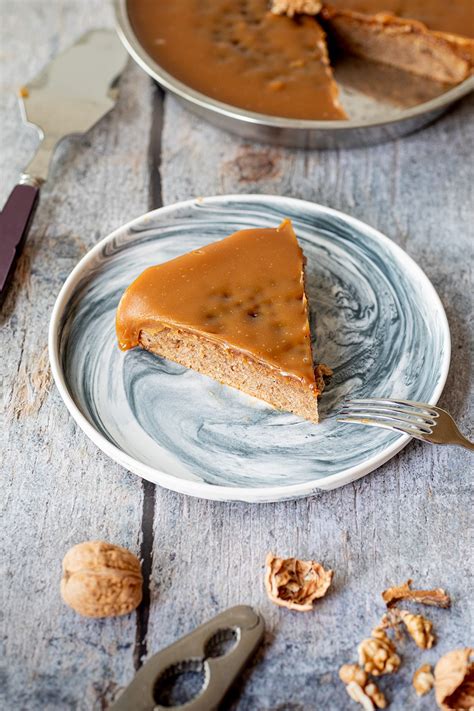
{"points": [[462, 441], [15, 220]]}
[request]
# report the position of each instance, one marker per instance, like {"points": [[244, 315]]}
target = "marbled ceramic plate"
{"points": [[377, 321]]}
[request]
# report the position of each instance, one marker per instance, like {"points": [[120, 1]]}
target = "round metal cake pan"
{"points": [[286, 131]]}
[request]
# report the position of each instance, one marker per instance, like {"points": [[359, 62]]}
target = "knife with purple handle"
{"points": [[15, 220], [68, 97]]}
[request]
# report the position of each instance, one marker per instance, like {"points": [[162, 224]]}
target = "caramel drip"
{"points": [[246, 292]]}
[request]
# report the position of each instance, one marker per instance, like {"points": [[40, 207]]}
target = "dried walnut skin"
{"points": [[101, 579], [437, 597], [294, 583]]}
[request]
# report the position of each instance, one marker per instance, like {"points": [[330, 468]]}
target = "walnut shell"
{"points": [[454, 680], [295, 583], [101, 579]]}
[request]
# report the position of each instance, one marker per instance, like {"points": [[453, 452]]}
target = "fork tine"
{"points": [[418, 424], [407, 416], [420, 420], [384, 425], [405, 404]]}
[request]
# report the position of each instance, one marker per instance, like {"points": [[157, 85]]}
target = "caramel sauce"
{"points": [[246, 292], [456, 17], [238, 52]]}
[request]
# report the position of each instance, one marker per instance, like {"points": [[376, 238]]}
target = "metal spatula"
{"points": [[69, 96]]}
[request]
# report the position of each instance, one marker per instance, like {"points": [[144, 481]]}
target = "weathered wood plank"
{"points": [[58, 488]]}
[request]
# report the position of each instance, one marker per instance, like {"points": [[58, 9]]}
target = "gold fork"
{"points": [[417, 419]]}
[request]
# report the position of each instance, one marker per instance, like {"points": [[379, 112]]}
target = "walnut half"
{"points": [[377, 654], [101, 579], [294, 583], [454, 680]]}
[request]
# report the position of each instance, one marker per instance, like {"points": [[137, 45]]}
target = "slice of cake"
{"points": [[403, 42], [235, 310], [432, 38]]}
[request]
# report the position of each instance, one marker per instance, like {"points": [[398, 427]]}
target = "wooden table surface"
{"points": [[409, 519]]}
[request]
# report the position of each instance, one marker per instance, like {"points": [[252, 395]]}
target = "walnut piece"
{"points": [[323, 373], [436, 597], [360, 689], [454, 680], [369, 696], [419, 629], [353, 672], [296, 7], [417, 626], [358, 694], [423, 680], [374, 693], [377, 654], [101, 579], [294, 583]]}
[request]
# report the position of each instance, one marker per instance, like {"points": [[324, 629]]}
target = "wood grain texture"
{"points": [[412, 518], [58, 489]]}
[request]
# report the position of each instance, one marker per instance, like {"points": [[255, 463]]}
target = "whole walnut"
{"points": [[101, 579]]}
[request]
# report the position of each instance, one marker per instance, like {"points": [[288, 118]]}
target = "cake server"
{"points": [[69, 96], [199, 651]]}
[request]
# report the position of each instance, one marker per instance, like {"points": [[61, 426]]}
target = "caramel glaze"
{"points": [[455, 17], [238, 52], [245, 292]]}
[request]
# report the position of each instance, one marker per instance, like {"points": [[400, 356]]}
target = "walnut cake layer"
{"points": [[235, 310]]}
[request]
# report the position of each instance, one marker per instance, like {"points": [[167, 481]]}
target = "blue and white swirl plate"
{"points": [[376, 320]]}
